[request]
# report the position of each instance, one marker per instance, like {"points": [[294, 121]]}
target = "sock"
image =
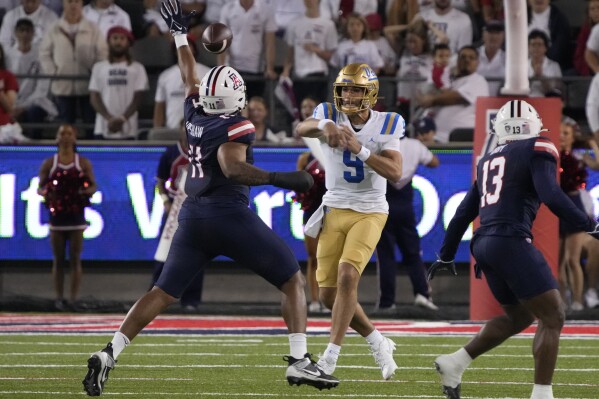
{"points": [[462, 358], [374, 338], [298, 345], [332, 353], [119, 342], [542, 392]]}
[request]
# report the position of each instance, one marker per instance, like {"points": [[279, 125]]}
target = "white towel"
{"points": [[314, 224]]}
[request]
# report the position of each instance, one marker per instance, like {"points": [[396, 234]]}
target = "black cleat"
{"points": [[306, 371], [98, 365]]}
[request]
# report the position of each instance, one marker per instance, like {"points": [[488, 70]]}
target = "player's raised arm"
{"points": [[172, 13]]}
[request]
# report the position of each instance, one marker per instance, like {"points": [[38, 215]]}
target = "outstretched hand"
{"points": [[440, 265], [172, 13]]}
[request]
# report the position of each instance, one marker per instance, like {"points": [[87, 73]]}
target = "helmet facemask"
{"points": [[356, 75]]}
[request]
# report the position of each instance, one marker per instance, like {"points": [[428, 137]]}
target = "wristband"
{"points": [[323, 122], [164, 197], [181, 40], [363, 154]]}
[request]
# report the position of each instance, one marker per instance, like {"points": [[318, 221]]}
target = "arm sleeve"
{"points": [[592, 104], [467, 211], [551, 194]]}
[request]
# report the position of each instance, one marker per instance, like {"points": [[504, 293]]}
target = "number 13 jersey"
{"points": [[351, 183]]}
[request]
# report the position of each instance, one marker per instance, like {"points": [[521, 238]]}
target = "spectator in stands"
{"points": [[106, 15], [214, 9], [311, 41], [253, 25], [456, 105], [41, 16], [415, 65], [375, 28], [573, 178], [32, 104], [339, 10], [540, 68], [154, 25], [580, 63], [550, 20], [257, 110], [492, 10], [54, 5], [356, 49], [592, 106], [402, 12], [455, 24], [170, 92], [170, 166], [592, 269], [66, 181], [116, 87], [425, 130], [491, 55], [286, 12], [439, 78], [71, 47], [10, 132], [400, 230]]}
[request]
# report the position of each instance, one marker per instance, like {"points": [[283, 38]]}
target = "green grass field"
{"points": [[52, 366]]}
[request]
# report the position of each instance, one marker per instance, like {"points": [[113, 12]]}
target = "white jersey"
{"points": [[42, 19], [491, 68], [455, 24], [320, 31], [361, 52], [551, 69], [413, 153], [249, 28], [171, 91], [108, 18], [351, 183], [117, 84]]}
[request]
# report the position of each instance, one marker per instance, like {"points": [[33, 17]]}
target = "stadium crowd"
{"points": [[109, 66]]}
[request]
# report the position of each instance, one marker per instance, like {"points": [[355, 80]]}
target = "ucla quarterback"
{"points": [[361, 152]]}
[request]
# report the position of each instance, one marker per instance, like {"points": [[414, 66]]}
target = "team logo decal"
{"points": [[237, 83]]}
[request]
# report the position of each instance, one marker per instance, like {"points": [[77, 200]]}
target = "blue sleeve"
{"points": [[467, 211], [551, 194]]}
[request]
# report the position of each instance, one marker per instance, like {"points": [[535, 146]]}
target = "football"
{"points": [[217, 37]]}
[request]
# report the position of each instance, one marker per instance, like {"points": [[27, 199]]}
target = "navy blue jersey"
{"points": [[512, 181], [205, 134]]}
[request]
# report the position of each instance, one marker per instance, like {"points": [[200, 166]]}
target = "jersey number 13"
{"points": [[492, 182]]}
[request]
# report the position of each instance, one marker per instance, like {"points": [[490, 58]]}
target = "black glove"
{"points": [[595, 232], [300, 181], [440, 265], [172, 13]]}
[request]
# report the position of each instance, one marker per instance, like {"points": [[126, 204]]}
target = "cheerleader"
{"points": [[66, 181], [573, 180]]}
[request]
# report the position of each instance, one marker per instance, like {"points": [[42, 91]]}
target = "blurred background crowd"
{"points": [[110, 66]]}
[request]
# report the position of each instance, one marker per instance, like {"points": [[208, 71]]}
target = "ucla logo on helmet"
{"points": [[237, 83]]}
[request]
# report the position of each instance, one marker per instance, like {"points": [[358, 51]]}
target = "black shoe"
{"points": [[306, 371], [99, 364]]}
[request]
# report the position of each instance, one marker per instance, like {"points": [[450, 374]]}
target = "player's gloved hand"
{"points": [[595, 232], [440, 265], [299, 181], [172, 13]]}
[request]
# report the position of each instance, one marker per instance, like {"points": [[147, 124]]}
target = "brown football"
{"points": [[217, 37]]}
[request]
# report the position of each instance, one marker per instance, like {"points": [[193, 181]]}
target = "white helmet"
{"points": [[222, 91], [517, 120]]}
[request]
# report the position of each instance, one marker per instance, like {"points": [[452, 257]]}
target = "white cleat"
{"points": [[424, 302], [451, 376], [383, 356]]}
